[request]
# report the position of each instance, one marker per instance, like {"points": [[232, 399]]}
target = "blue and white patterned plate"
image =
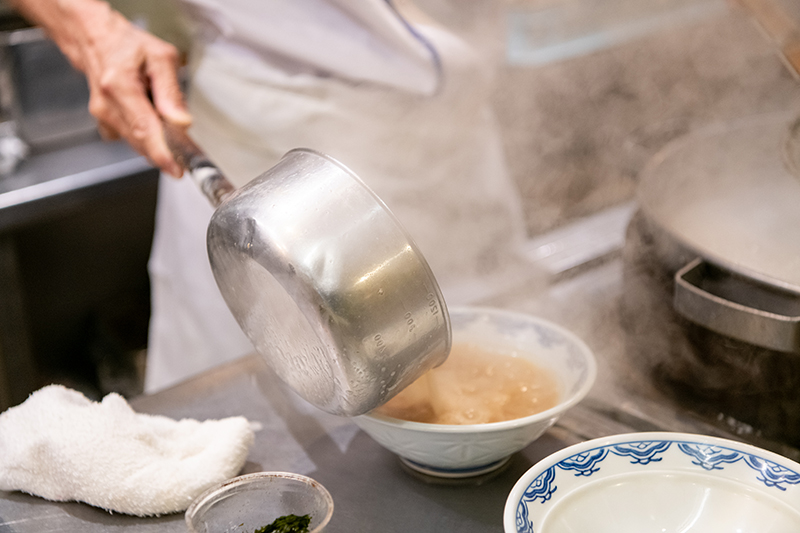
{"points": [[659, 483]]}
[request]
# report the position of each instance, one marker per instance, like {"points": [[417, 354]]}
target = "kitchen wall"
{"points": [[588, 91]]}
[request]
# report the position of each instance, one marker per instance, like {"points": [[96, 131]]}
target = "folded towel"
{"points": [[62, 446]]}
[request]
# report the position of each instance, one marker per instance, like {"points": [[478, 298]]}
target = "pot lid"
{"points": [[731, 194]]}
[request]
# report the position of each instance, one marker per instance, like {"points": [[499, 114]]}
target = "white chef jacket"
{"points": [[406, 108]]}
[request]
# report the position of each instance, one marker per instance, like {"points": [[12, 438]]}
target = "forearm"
{"points": [[70, 23]]}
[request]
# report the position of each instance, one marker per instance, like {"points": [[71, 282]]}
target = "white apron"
{"points": [[435, 160]]}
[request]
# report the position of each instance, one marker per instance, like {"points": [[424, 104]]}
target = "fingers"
{"points": [[123, 110], [123, 65], [162, 73], [123, 72]]}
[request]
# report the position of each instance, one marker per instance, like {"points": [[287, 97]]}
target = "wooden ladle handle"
{"points": [[207, 175]]}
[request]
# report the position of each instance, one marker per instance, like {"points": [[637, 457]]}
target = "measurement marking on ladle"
{"points": [[410, 321], [379, 342], [434, 306]]}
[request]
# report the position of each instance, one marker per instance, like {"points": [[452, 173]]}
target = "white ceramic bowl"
{"points": [[657, 482], [252, 501], [467, 450]]}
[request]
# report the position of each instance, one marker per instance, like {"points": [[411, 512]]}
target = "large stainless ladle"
{"points": [[322, 279]]}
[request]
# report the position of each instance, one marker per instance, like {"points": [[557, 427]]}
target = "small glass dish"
{"points": [[250, 502]]}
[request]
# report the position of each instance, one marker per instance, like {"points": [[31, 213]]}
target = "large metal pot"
{"points": [[713, 274], [729, 195]]}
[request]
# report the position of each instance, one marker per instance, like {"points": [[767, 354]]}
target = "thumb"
{"points": [[175, 112]]}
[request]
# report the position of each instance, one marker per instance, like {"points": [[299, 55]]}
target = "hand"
{"points": [[125, 68], [132, 75]]}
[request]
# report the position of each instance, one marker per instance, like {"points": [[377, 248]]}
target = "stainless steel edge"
{"points": [[749, 323]]}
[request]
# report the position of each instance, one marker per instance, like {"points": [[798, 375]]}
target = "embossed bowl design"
{"points": [[454, 451], [658, 482]]}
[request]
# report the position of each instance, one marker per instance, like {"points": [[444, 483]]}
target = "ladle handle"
{"points": [[203, 172]]}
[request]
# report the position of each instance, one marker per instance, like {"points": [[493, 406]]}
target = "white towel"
{"points": [[62, 446]]}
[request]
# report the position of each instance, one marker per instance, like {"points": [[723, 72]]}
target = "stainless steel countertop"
{"points": [[67, 178], [372, 491]]}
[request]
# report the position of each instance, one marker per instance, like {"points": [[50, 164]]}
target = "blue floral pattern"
{"points": [[769, 473], [706, 456]]}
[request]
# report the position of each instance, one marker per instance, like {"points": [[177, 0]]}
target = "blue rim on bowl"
{"points": [[657, 481]]}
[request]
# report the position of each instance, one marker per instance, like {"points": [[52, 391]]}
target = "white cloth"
{"points": [[64, 447], [436, 161]]}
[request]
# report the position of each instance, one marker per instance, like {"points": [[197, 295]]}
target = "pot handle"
{"points": [[203, 172], [738, 307]]}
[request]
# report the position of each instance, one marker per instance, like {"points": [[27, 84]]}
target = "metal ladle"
{"points": [[322, 278]]}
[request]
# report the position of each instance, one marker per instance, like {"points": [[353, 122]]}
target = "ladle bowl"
{"points": [[324, 281]]}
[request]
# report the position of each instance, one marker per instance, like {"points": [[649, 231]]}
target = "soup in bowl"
{"points": [[508, 378]]}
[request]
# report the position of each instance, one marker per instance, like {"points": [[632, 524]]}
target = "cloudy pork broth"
{"points": [[476, 386]]}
